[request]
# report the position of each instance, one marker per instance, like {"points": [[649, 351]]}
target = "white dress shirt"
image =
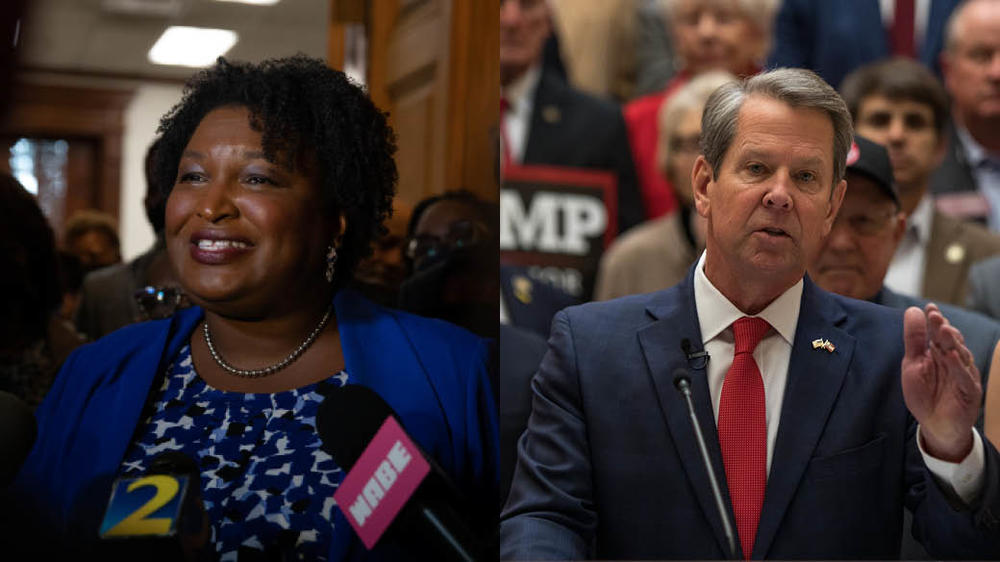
{"points": [[906, 270], [773, 354], [520, 94]]}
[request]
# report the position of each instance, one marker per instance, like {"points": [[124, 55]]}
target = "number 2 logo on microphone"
{"points": [[150, 505]]}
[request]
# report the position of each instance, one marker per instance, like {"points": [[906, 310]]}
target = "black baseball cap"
{"points": [[872, 160]]}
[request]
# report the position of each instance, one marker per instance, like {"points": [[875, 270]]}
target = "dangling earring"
{"points": [[331, 261]]}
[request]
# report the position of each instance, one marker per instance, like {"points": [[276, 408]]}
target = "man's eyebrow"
{"points": [[193, 154], [805, 162]]}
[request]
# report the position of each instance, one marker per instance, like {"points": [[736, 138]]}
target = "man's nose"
{"points": [[897, 131], [777, 196]]}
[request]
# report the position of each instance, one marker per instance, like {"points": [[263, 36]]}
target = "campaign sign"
{"points": [[144, 506], [557, 222], [381, 482]]}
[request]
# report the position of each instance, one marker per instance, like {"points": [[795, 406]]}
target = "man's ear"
{"points": [[701, 176], [836, 199]]}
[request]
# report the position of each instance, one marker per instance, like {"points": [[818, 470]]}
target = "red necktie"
{"points": [[902, 29], [507, 158], [743, 430]]}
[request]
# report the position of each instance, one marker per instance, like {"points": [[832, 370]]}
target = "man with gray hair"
{"points": [[822, 415], [968, 181]]}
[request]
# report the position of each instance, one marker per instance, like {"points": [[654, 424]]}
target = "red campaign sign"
{"points": [[381, 482], [557, 222]]}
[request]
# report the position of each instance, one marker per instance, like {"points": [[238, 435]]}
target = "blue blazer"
{"points": [[609, 466], [834, 37], [433, 375]]}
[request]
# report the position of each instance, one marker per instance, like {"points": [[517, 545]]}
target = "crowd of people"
{"points": [[916, 85]]}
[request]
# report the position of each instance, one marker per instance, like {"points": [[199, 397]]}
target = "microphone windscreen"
{"points": [[17, 436], [347, 420]]}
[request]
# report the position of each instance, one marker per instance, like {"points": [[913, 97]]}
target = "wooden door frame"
{"points": [[98, 114]]}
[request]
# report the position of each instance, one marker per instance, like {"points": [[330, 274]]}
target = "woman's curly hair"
{"points": [[305, 112]]}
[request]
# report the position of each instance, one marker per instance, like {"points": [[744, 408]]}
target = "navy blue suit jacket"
{"points": [[833, 37], [609, 466]]}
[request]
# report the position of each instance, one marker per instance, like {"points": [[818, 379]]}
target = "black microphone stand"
{"points": [[683, 384]]}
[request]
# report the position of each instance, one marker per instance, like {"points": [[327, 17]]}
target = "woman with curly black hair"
{"points": [[280, 175]]}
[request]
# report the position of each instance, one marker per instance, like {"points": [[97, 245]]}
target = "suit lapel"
{"points": [[546, 119], [661, 347], [945, 261], [815, 376]]}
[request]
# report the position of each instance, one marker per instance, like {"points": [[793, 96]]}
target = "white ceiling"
{"points": [[112, 37]]}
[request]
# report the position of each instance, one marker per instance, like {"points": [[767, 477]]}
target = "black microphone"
{"points": [[353, 422], [17, 436], [696, 359], [158, 515], [683, 384]]}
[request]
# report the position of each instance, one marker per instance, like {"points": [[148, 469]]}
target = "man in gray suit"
{"points": [[984, 288], [968, 181]]}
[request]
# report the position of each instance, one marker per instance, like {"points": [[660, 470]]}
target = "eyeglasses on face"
{"points": [[159, 302], [866, 224], [461, 234]]}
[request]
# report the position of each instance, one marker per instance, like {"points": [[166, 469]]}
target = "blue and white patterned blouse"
{"points": [[262, 469]]}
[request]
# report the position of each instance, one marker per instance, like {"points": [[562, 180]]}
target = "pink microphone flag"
{"points": [[385, 476]]}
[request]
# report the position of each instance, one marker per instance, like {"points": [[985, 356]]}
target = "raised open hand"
{"points": [[941, 383]]}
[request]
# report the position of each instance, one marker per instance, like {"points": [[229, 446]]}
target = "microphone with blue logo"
{"points": [[158, 515]]}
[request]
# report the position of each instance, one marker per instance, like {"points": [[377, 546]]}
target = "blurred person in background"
{"points": [[71, 282], [899, 104], [984, 287], [280, 176], [970, 175], [145, 288], [729, 35], [834, 38], [380, 275], [545, 121], [452, 254], [35, 340], [92, 236], [658, 253], [597, 43], [655, 60]]}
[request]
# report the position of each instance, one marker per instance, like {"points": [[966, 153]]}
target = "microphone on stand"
{"points": [[683, 384]]}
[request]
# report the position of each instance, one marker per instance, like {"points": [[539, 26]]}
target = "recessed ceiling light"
{"points": [[191, 46], [254, 2]]}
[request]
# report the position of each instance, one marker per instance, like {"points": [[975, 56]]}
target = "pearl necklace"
{"points": [[255, 373]]}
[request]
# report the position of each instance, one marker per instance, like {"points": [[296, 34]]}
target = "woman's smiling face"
{"points": [[242, 231]]}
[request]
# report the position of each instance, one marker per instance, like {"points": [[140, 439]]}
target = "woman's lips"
{"points": [[218, 251]]}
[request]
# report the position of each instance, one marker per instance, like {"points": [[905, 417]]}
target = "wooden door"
{"points": [[433, 65]]}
